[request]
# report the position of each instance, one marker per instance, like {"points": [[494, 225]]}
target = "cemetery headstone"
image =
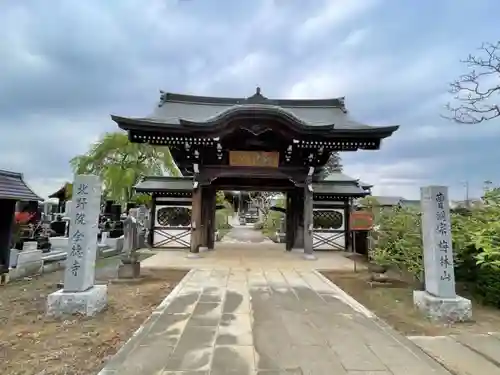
{"points": [[67, 208], [79, 294], [30, 245], [439, 300]]}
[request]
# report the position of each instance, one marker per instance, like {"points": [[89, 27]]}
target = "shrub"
{"points": [[222, 219], [398, 240], [488, 285]]}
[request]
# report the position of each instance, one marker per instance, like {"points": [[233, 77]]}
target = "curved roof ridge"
{"points": [[4, 172], [197, 99]]}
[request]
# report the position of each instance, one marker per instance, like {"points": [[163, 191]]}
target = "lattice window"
{"points": [[323, 219], [174, 216]]}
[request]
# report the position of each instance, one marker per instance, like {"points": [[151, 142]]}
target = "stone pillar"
{"points": [[7, 211], [79, 294], [196, 225], [439, 300], [308, 222]]}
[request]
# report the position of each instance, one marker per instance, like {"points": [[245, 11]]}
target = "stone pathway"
{"points": [[266, 322], [466, 354]]}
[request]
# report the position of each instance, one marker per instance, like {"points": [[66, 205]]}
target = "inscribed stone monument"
{"points": [[439, 300], [79, 294]]}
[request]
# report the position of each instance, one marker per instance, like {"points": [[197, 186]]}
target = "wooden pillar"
{"points": [[308, 221], [7, 211], [347, 215], [152, 219], [298, 218], [212, 210], [204, 217], [207, 215], [196, 224], [290, 229]]}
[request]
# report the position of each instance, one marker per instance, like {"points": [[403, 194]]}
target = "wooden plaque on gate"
{"points": [[360, 220], [254, 159]]}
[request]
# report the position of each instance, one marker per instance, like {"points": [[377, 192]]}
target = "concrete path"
{"points": [[466, 354], [265, 322]]}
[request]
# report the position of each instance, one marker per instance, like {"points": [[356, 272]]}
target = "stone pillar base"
{"points": [[129, 270], [87, 303], [449, 310], [309, 256], [4, 278], [191, 255]]}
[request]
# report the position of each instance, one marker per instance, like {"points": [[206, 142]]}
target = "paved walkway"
{"points": [[265, 322], [465, 354], [249, 255]]}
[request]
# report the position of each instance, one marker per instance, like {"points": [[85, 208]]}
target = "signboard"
{"points": [[360, 220], [254, 159]]}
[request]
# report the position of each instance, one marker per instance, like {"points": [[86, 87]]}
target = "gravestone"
{"points": [[79, 294], [67, 208], [439, 300], [130, 265], [30, 245]]}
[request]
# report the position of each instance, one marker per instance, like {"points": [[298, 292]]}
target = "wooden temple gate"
{"points": [[252, 144]]}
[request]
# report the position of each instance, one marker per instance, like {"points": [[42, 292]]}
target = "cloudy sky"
{"points": [[65, 67]]}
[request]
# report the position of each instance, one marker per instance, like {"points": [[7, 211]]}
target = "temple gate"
{"points": [[252, 144]]}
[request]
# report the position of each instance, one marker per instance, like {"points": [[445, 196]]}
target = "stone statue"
{"points": [[130, 237], [143, 225], [130, 266]]}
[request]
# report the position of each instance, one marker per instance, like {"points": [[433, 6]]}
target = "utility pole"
{"points": [[467, 203]]}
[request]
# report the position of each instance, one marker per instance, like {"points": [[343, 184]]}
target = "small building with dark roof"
{"points": [[254, 144], [13, 189]]}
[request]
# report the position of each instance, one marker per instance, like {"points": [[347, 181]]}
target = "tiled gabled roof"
{"points": [[12, 186]]}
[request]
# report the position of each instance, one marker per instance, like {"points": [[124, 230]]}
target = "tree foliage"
{"points": [[334, 164], [121, 164], [477, 91], [262, 201]]}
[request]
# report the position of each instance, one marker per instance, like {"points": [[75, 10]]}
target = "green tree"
{"points": [[121, 164]]}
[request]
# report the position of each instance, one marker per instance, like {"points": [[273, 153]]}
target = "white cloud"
{"points": [[43, 187], [355, 38], [334, 14], [400, 178]]}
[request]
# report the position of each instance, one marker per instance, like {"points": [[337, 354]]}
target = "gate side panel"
{"points": [[172, 227], [329, 229]]}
